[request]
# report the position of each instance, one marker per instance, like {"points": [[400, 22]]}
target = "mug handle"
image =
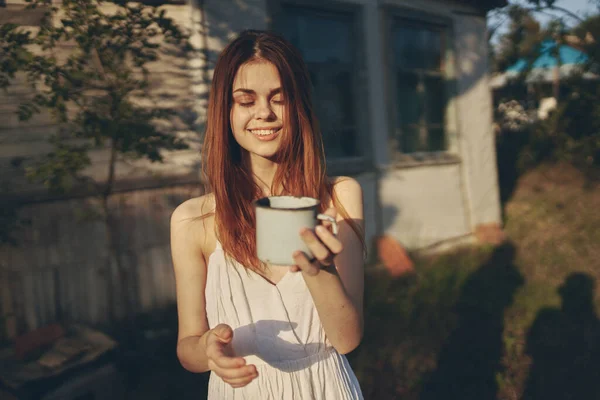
{"points": [[334, 225]]}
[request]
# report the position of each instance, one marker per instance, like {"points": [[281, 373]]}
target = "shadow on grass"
{"points": [[438, 334], [564, 344], [470, 358]]}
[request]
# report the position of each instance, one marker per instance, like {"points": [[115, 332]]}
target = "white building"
{"points": [[401, 90]]}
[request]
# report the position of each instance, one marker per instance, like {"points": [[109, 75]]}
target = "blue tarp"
{"points": [[547, 60]]}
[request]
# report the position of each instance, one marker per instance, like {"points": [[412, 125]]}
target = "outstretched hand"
{"points": [[233, 370], [322, 243]]}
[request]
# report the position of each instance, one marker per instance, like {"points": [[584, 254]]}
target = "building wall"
{"points": [[472, 185], [419, 204], [424, 204], [62, 269], [477, 137], [170, 87]]}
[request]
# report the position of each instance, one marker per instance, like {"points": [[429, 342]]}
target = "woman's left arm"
{"points": [[336, 278]]}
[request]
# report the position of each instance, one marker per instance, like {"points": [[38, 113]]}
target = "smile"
{"points": [[265, 134]]}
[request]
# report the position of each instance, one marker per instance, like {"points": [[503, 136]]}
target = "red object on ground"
{"points": [[35, 339], [393, 256], [490, 233]]}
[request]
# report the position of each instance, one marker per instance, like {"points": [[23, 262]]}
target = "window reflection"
{"points": [[326, 41], [421, 86]]}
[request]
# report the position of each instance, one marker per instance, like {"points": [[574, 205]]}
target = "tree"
{"points": [[93, 94], [521, 40]]}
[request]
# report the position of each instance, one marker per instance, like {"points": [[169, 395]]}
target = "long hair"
{"points": [[301, 157]]}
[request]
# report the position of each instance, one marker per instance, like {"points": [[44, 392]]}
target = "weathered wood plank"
{"points": [[62, 269]]}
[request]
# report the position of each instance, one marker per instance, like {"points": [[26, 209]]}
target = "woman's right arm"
{"points": [[198, 348]]}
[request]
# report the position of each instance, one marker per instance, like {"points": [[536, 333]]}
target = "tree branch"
{"points": [[567, 12]]}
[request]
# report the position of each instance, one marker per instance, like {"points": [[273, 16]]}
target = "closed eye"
{"points": [[277, 98]]}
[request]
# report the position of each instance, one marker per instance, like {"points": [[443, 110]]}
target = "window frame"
{"points": [[363, 161], [390, 14]]}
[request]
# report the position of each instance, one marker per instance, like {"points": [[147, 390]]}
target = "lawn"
{"points": [[516, 321]]}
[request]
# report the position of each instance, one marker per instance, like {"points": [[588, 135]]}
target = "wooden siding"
{"points": [[61, 269]]}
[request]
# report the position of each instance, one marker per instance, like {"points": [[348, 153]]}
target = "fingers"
{"points": [[305, 265], [332, 212], [329, 239], [216, 354], [323, 244], [223, 332], [237, 376], [233, 370], [216, 346], [241, 382]]}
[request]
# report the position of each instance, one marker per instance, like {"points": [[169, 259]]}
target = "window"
{"points": [[418, 68], [326, 41]]}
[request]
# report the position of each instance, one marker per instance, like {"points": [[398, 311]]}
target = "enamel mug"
{"points": [[279, 220]]}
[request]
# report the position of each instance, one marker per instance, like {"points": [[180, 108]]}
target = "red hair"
{"points": [[301, 157]]}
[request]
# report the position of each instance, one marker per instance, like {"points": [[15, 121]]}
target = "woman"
{"points": [[267, 332]]}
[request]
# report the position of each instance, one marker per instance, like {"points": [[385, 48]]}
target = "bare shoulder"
{"points": [[192, 223], [349, 193], [346, 186], [191, 209]]}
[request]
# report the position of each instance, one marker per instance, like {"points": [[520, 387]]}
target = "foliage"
{"points": [[93, 94], [13, 52], [588, 32], [571, 133], [96, 96], [522, 39]]}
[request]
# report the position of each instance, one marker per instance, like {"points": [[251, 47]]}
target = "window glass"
{"points": [[421, 98], [326, 41]]}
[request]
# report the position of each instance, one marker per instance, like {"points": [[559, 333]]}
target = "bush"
{"points": [[571, 133]]}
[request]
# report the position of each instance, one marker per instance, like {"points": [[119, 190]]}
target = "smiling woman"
{"points": [[258, 107], [267, 331]]}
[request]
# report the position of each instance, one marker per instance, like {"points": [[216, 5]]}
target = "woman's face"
{"points": [[257, 112]]}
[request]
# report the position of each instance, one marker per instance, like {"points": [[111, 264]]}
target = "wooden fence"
{"points": [[61, 269]]}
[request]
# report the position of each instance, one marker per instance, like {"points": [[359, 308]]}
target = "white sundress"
{"points": [[277, 328]]}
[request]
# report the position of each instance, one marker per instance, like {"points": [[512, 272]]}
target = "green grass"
{"points": [[490, 323]]}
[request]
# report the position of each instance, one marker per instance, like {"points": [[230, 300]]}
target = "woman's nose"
{"points": [[264, 111]]}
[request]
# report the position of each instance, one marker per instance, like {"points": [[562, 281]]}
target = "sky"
{"points": [[579, 7]]}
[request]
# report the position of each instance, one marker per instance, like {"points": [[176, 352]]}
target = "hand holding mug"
{"points": [[323, 244], [279, 219]]}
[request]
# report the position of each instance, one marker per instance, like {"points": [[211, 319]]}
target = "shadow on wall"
{"points": [[389, 213], [215, 25]]}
